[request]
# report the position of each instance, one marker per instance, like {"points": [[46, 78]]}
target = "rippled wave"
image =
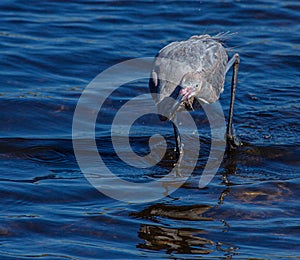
{"points": [[50, 51]]}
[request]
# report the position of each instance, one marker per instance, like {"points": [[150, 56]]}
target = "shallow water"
{"points": [[50, 51]]}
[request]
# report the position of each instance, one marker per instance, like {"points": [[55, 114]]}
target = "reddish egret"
{"points": [[193, 72]]}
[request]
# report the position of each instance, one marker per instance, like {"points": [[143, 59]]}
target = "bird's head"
{"points": [[183, 95], [191, 84]]}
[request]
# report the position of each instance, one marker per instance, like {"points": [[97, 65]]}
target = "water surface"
{"points": [[51, 50]]}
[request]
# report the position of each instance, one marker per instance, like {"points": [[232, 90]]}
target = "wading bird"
{"points": [[192, 72]]}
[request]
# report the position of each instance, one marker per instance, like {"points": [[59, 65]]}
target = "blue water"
{"points": [[51, 50]]}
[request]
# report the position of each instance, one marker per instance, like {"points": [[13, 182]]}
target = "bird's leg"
{"points": [[231, 139], [179, 147], [177, 138]]}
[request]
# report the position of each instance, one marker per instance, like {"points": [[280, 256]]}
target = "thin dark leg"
{"points": [[231, 139], [178, 149], [177, 140]]}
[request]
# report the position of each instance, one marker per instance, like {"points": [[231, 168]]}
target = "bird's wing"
{"points": [[169, 66], [213, 71]]}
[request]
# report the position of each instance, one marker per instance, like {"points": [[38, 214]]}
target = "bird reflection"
{"points": [[175, 228], [187, 212], [178, 240], [182, 241]]}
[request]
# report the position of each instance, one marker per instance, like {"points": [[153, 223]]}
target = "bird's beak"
{"points": [[184, 94], [174, 107], [169, 105]]}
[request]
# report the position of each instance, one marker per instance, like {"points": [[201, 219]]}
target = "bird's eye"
{"points": [[196, 85]]}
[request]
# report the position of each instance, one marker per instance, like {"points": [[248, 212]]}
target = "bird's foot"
{"points": [[232, 143]]}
